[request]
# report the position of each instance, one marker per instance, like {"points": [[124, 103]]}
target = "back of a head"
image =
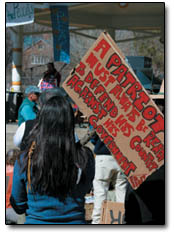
{"points": [[49, 93], [56, 116], [50, 66]]}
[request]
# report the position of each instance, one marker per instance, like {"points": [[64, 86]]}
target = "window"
{"points": [[40, 46], [39, 59]]}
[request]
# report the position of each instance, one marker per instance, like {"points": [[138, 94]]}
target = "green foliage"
{"points": [[152, 48]]}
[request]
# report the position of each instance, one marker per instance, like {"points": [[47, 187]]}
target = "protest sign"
{"points": [[124, 116], [112, 213]]}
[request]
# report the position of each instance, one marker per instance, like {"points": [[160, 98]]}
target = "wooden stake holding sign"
{"points": [[126, 119]]}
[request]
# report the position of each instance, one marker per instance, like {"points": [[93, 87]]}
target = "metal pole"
{"points": [[17, 59]]}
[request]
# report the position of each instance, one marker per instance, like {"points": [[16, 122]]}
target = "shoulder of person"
{"points": [[27, 107], [20, 161]]}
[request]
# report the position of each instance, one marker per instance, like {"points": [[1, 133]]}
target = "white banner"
{"points": [[19, 14]]}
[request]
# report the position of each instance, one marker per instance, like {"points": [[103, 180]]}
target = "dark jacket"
{"points": [[100, 148], [146, 205]]}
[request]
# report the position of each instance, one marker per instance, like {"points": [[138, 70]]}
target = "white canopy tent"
{"points": [[139, 17]]}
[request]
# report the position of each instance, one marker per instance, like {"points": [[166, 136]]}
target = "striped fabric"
{"points": [[51, 83]]}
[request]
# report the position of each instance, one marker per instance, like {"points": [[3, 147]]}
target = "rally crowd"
{"points": [[52, 171]]}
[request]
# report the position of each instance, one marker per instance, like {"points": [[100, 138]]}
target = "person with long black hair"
{"points": [[51, 179]]}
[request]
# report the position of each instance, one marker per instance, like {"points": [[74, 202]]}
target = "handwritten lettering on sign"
{"points": [[112, 213], [108, 92], [119, 219]]}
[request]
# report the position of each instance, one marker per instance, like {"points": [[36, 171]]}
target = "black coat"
{"points": [[146, 205]]}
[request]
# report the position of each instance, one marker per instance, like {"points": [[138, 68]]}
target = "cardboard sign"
{"points": [[124, 116], [112, 213]]}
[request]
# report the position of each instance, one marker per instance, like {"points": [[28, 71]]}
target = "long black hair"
{"points": [[56, 156]]}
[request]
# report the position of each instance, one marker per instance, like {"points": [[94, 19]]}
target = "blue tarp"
{"points": [[60, 27], [144, 80]]}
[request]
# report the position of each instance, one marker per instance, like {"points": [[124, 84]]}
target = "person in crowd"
{"points": [[51, 179], [148, 201], [23, 131], [11, 215], [146, 205], [107, 172], [51, 78], [28, 109]]}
